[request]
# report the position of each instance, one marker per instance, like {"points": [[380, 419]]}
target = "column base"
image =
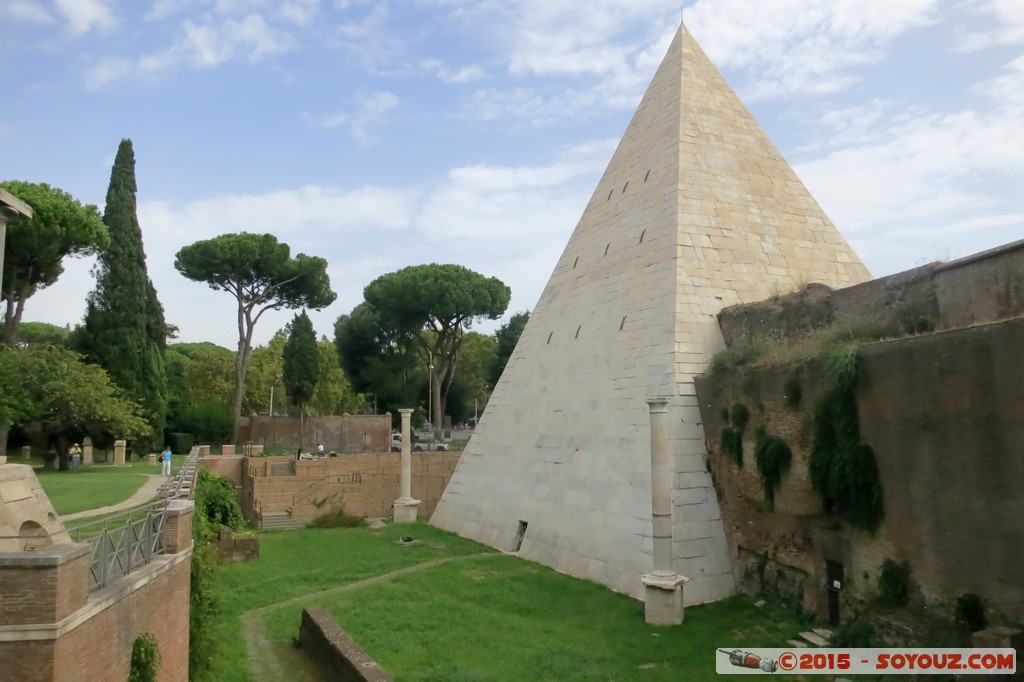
{"points": [[406, 510], [663, 599]]}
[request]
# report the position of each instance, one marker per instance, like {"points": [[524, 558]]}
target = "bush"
{"points": [[215, 499], [210, 420], [894, 583], [337, 518], [180, 443], [203, 606], [145, 659], [773, 457], [970, 612], [854, 634]]}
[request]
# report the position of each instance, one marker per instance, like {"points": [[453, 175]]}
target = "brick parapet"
{"points": [[177, 532], [44, 585]]}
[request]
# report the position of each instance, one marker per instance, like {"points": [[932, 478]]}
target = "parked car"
{"points": [[430, 445], [396, 443]]}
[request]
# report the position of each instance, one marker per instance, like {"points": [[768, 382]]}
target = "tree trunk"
{"points": [[241, 365]]}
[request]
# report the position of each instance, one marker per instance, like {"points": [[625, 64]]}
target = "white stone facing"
{"points": [[697, 210]]}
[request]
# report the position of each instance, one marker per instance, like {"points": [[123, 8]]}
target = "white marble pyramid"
{"points": [[697, 210]]}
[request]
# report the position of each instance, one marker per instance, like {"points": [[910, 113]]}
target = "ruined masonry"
{"points": [[697, 210]]}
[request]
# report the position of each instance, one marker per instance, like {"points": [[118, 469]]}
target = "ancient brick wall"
{"points": [[942, 413], [345, 433], [364, 484]]}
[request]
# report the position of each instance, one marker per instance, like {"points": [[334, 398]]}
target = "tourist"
{"points": [[319, 449], [75, 453], [165, 460]]}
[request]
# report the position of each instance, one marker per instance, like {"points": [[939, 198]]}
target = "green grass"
{"points": [[491, 618], [93, 486]]}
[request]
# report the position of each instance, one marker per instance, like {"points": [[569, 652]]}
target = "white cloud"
{"points": [[368, 115], [1009, 30], [801, 46], [299, 12], [25, 10], [83, 15], [200, 45], [464, 75]]}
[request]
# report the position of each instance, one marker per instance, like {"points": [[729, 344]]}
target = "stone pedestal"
{"points": [[406, 511], [3, 459], [204, 450], [152, 458], [119, 448], [87, 456], [26, 452], [663, 599], [227, 450]]}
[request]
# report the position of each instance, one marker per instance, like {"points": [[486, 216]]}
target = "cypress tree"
{"points": [[124, 330], [301, 364]]}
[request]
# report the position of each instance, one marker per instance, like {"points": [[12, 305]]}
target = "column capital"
{"points": [[405, 410], [657, 404]]}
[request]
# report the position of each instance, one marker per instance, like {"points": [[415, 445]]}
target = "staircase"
{"points": [[815, 637], [279, 521]]}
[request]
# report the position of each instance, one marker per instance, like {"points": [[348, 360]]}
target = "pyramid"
{"points": [[696, 211]]}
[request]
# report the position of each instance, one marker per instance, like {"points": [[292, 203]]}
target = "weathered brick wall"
{"points": [[942, 413], [336, 654], [345, 433], [53, 628], [364, 484], [228, 466]]}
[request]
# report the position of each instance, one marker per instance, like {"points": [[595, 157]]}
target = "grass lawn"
{"points": [[93, 486], [475, 618]]}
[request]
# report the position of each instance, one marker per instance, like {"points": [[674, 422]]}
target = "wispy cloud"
{"points": [[369, 114], [1008, 16], [25, 10], [200, 45], [464, 75], [84, 15]]}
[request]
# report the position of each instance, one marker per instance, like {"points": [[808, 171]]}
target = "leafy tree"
{"points": [[208, 376], [301, 365], [124, 330], [35, 247], [190, 350], [333, 394], [508, 336], [261, 274], [429, 306], [68, 397], [471, 388], [265, 378], [38, 333]]}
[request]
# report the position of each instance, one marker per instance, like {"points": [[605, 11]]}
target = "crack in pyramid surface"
{"points": [[697, 210]]}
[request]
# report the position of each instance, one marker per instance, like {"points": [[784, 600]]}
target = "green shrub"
{"points": [[215, 499], [336, 518], [792, 393], [145, 659], [210, 420], [739, 416], [842, 363], [737, 356], [970, 612], [842, 469], [203, 607], [894, 584], [180, 442], [773, 458], [855, 634], [732, 444]]}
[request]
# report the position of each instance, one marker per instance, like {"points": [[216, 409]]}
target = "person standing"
{"points": [[319, 449], [75, 454], [165, 459]]}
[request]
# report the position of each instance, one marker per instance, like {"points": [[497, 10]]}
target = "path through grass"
{"points": [[470, 618], [93, 486]]}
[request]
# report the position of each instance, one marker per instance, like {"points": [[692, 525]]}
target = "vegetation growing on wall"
{"points": [[894, 584], [792, 392], [843, 470], [732, 433], [773, 458], [145, 659]]}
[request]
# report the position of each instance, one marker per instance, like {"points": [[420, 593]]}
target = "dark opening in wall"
{"points": [[610, 194], [578, 331], [575, 262], [520, 534], [606, 248], [549, 336], [642, 236], [623, 323], [625, 186], [647, 174]]}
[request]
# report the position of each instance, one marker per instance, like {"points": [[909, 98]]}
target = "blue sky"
{"points": [[380, 134]]}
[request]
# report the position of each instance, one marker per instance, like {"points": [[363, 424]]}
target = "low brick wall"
{"points": [[365, 484], [337, 655]]}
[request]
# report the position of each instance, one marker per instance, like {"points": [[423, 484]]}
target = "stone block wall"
{"points": [[335, 652], [345, 433]]}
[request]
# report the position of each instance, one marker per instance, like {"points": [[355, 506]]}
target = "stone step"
{"points": [[814, 638], [798, 643], [823, 632]]}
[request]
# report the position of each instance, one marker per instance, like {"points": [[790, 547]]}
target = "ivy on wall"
{"points": [[843, 470], [773, 458], [732, 433]]}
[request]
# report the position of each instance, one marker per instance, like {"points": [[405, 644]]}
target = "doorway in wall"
{"points": [[520, 534], [833, 585]]}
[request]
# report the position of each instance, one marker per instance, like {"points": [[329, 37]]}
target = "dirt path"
{"points": [[269, 662], [144, 494]]}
